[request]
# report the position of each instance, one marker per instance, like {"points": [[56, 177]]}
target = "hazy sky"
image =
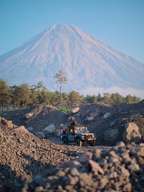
{"points": [[119, 23]]}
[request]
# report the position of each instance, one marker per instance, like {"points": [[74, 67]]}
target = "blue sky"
{"points": [[119, 23]]}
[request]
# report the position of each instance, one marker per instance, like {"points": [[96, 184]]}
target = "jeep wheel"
{"points": [[65, 140], [93, 142], [79, 142]]}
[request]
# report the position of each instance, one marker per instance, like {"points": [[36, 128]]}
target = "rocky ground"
{"points": [[108, 123], [24, 155], [31, 163], [119, 169], [28, 164]]}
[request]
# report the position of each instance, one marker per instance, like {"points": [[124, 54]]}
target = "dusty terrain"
{"points": [[118, 169], [108, 123], [25, 155], [35, 163]]}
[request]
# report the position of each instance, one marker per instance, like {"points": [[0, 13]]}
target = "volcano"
{"points": [[90, 65]]}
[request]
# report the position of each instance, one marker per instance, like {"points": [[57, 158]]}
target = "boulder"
{"points": [[95, 167], [96, 154], [50, 128], [141, 151], [120, 144], [90, 118], [132, 132], [29, 115], [75, 109], [6, 124], [85, 157], [107, 115]]}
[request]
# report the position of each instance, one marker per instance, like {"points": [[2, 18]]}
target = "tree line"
{"points": [[24, 95]]}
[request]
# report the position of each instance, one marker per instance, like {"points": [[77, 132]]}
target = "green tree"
{"points": [[39, 93], [54, 98], [90, 99], [107, 99], [22, 95], [117, 98], [4, 94], [74, 98], [132, 99]]}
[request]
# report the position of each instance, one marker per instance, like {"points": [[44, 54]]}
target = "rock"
{"points": [[6, 124], [134, 167], [86, 179], [2, 138], [128, 188], [125, 173], [113, 154], [91, 116], [29, 115], [10, 124], [95, 167], [74, 172], [3, 122], [96, 154], [39, 189], [50, 128], [131, 133], [85, 157], [73, 180], [126, 157], [75, 109], [120, 144], [141, 151], [61, 173], [113, 175], [107, 115], [69, 188], [104, 181]]}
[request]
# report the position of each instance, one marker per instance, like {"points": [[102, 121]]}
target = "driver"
{"points": [[72, 127]]}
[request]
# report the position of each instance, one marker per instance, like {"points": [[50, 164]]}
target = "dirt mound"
{"points": [[17, 115], [21, 130], [24, 155], [140, 122], [43, 116], [38, 119], [109, 123], [132, 132], [118, 169]]}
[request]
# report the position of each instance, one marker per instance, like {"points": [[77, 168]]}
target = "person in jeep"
{"points": [[72, 127]]}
